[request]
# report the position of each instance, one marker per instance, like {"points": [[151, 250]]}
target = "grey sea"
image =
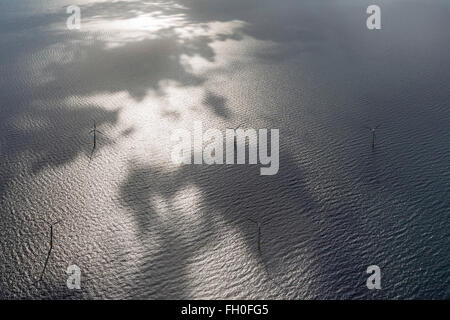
{"points": [[140, 226]]}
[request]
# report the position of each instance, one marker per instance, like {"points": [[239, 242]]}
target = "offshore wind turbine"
{"points": [[49, 250], [266, 268], [234, 129], [237, 127], [373, 130], [263, 263], [94, 131]]}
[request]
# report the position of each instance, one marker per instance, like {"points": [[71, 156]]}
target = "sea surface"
{"points": [[141, 227]]}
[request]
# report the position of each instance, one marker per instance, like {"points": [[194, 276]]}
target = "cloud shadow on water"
{"points": [[230, 195]]}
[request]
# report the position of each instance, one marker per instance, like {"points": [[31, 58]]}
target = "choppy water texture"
{"points": [[139, 226]]}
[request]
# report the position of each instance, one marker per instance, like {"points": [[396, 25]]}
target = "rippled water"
{"points": [[139, 226]]}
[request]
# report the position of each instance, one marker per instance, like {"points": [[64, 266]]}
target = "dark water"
{"points": [[139, 226]]}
